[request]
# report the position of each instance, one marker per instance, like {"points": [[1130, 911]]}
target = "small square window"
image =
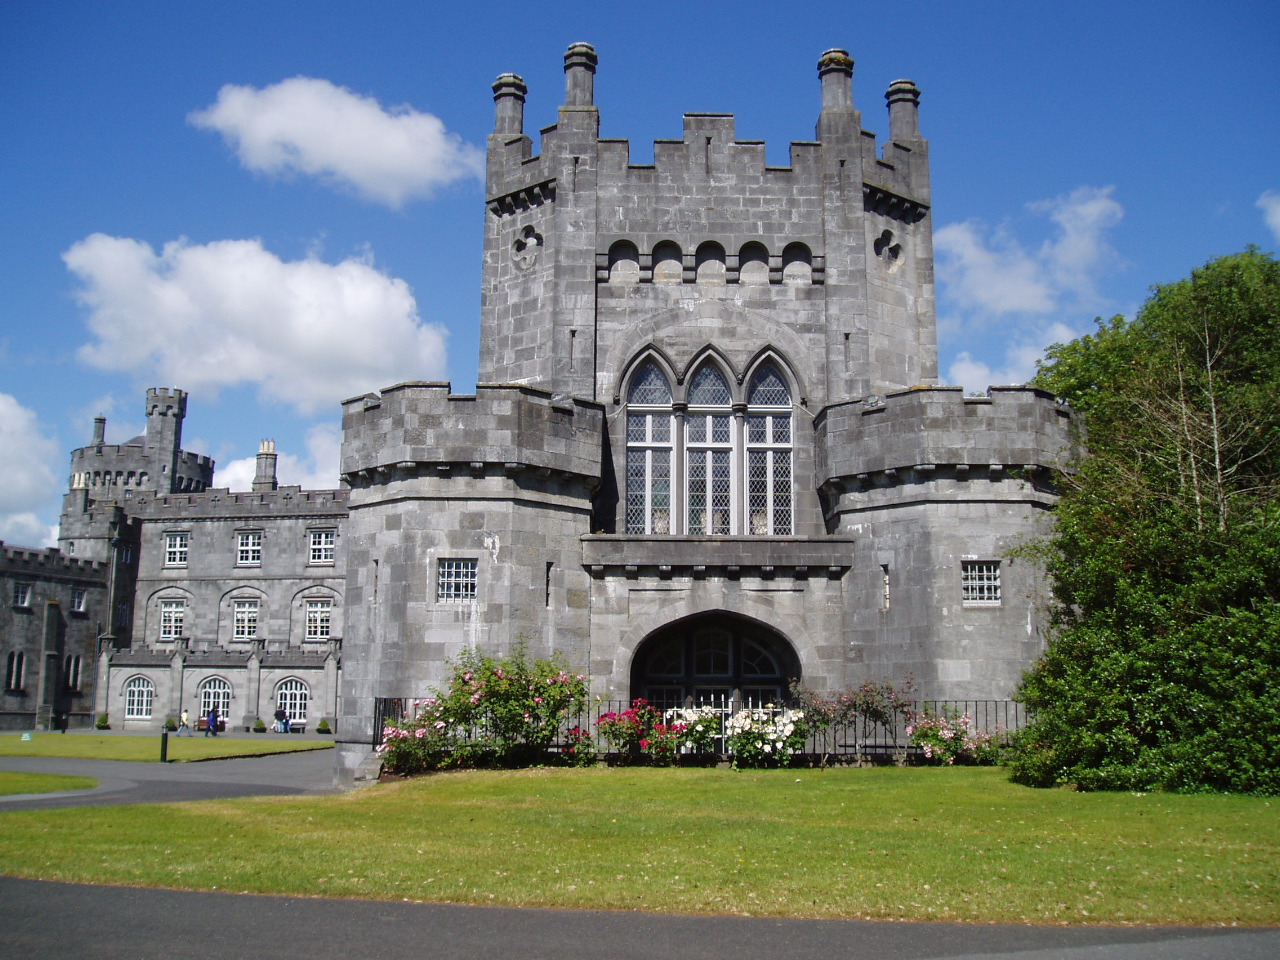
{"points": [[172, 615], [22, 594], [456, 580], [322, 546], [79, 601], [176, 546], [319, 619], [980, 583], [249, 549]]}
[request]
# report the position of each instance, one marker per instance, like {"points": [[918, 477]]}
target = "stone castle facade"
{"points": [[709, 454]]}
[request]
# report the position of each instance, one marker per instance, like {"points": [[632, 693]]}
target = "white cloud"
{"points": [[318, 470], [27, 478], [314, 127], [1005, 301], [307, 333], [1269, 204]]}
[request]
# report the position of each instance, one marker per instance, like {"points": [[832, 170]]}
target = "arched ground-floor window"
{"points": [[139, 694], [215, 692], [714, 658], [292, 696]]}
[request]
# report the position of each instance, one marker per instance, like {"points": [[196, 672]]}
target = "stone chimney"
{"points": [[264, 478]]}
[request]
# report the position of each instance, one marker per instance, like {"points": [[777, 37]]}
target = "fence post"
{"points": [[164, 746]]}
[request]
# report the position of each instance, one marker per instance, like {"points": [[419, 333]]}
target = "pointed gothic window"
{"points": [[649, 449], [709, 453], [769, 502]]}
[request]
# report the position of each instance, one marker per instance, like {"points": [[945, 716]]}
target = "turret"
{"points": [[579, 75], [264, 478], [904, 111], [166, 410], [508, 98]]}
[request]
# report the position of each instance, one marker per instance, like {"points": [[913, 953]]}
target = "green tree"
{"points": [[1163, 667]]}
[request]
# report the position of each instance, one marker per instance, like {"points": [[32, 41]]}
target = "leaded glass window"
{"points": [[769, 496], [649, 452]]}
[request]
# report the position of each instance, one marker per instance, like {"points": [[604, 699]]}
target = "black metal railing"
{"points": [[862, 736]]}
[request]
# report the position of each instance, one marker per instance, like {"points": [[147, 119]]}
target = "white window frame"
{"points": [[173, 615], [215, 692], [139, 698], [177, 549], [980, 583], [293, 696], [319, 618], [249, 548], [22, 591], [323, 546], [79, 600], [457, 580], [244, 617]]}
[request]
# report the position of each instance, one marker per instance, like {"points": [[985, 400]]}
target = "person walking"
{"points": [[211, 723], [184, 723]]}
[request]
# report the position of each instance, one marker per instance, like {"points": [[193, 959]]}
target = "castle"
{"points": [[709, 453]]}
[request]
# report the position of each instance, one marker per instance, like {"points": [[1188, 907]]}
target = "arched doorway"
{"points": [[714, 658]]}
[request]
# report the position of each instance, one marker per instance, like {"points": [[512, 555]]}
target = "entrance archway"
{"points": [[714, 658]]}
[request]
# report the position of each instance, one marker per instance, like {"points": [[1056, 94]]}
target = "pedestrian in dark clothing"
{"points": [[211, 723]]}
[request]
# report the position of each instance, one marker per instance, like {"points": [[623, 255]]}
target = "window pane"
{"points": [[769, 389], [649, 386], [709, 387]]}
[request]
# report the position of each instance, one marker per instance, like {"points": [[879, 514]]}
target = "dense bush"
{"points": [[643, 734], [948, 738], [495, 712], [765, 738]]}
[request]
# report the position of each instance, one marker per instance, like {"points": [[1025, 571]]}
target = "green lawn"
{"points": [[12, 783], [106, 746], [942, 844]]}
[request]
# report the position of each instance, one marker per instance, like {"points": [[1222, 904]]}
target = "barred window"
{"points": [[245, 616], [139, 693], [249, 549], [456, 580], [322, 546], [980, 583], [319, 619], [175, 549], [172, 615]]}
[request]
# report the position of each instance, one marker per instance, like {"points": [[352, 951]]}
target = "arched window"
{"points": [[215, 692], [668, 264], [624, 262], [753, 264], [139, 694], [797, 265], [769, 501], [649, 448], [710, 263], [709, 453], [715, 471], [292, 696]]}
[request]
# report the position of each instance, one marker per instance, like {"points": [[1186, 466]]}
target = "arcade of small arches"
{"points": [[714, 659], [709, 264], [708, 458]]}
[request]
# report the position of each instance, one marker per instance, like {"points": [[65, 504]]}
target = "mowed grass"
{"points": [[94, 746], [14, 783], [920, 844]]}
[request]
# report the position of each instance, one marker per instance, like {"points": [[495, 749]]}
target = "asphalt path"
{"points": [[40, 919]]}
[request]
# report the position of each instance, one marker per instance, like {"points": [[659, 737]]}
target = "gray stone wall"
{"points": [[52, 608]]}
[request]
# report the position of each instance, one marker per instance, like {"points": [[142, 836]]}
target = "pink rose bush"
{"points": [[946, 739]]}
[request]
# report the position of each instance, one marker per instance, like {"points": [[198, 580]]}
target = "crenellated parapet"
{"points": [[48, 562], [219, 503], [936, 432], [417, 428]]}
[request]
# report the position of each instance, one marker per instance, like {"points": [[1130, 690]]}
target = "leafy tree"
{"points": [[1163, 667]]}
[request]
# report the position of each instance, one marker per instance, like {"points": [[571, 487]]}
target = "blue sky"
{"points": [[277, 205]]}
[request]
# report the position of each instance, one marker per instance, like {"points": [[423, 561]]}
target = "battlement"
{"points": [[709, 149], [926, 429], [507, 427], [220, 503], [46, 561], [162, 401]]}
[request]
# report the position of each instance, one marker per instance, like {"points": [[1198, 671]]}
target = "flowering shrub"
{"points": [[700, 727], [503, 712], [630, 732], [948, 739], [765, 738], [579, 749]]}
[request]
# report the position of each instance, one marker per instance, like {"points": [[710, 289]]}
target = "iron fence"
{"points": [[862, 737]]}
